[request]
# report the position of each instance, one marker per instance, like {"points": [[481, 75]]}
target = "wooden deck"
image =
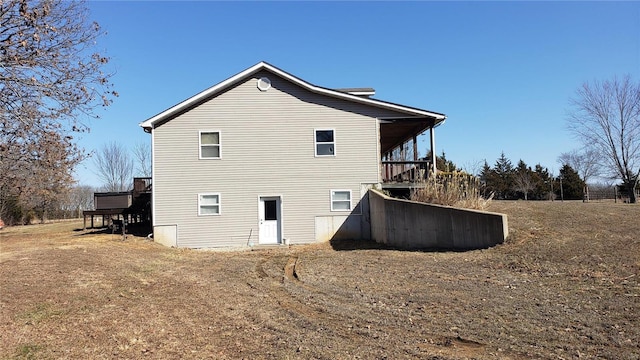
{"points": [[103, 213], [132, 206]]}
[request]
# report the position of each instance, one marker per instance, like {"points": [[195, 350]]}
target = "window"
{"points": [[208, 204], [209, 144], [271, 209], [325, 143], [340, 200]]}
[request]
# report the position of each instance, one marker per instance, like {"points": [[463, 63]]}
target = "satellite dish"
{"points": [[264, 84]]}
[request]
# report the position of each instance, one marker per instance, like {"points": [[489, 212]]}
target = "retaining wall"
{"points": [[414, 225]]}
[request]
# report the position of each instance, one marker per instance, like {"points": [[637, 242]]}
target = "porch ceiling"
{"points": [[394, 132]]}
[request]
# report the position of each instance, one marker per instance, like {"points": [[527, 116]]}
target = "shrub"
{"points": [[455, 188]]}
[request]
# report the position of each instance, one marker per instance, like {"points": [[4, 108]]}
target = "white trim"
{"points": [[153, 178], [280, 220], [265, 66], [315, 142], [219, 204], [264, 84], [200, 132], [378, 155], [332, 191]]}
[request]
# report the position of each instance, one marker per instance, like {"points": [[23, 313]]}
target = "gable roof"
{"points": [[176, 109]]}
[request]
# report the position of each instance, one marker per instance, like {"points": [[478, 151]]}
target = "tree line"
{"points": [[605, 118], [114, 165], [504, 181]]}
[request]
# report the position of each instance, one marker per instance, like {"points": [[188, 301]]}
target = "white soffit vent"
{"points": [[264, 84]]}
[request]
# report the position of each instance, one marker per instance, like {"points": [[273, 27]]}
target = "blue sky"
{"points": [[502, 72]]}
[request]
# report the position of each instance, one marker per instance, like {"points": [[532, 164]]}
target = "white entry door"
{"points": [[270, 228]]}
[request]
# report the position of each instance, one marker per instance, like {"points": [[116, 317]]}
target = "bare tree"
{"points": [[523, 183], [51, 80], [523, 179], [586, 162], [606, 117], [114, 166], [80, 198], [142, 153], [473, 167]]}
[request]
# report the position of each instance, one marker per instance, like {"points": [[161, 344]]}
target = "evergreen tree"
{"points": [[572, 184], [442, 163], [487, 179], [503, 182], [543, 189]]}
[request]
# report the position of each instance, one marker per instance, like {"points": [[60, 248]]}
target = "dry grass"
{"points": [[565, 285], [452, 189]]}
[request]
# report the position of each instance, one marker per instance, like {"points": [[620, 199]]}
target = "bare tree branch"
{"points": [[142, 153], [523, 179], [587, 162], [114, 167], [606, 118]]}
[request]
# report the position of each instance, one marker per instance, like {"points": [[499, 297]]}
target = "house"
{"points": [[265, 157]]}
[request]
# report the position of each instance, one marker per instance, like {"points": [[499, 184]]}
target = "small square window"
{"points": [[340, 200], [271, 210], [209, 145], [208, 204], [325, 143]]}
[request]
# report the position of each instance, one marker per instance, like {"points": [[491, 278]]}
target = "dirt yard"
{"points": [[565, 285]]}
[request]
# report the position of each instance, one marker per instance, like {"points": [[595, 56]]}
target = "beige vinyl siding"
{"points": [[268, 149]]}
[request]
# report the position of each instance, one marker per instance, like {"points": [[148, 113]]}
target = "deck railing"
{"points": [[405, 171]]}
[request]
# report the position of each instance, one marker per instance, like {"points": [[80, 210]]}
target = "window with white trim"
{"points": [[340, 200], [209, 204], [209, 144], [325, 142]]}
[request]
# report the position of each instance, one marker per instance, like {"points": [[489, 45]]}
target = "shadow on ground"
{"points": [[141, 229], [350, 245]]}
